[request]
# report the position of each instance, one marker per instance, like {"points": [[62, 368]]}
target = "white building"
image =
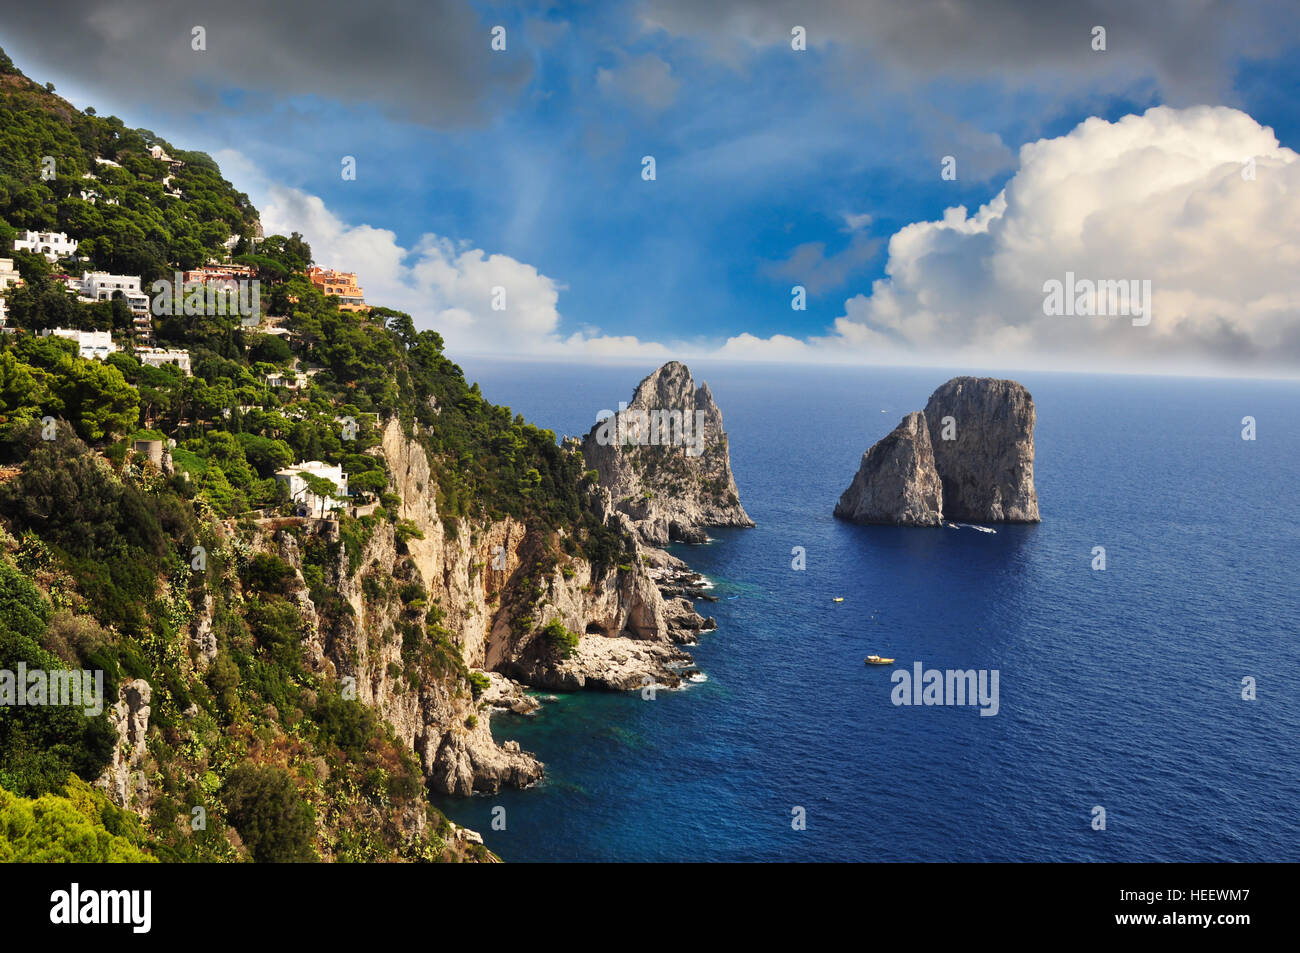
{"points": [[100, 286], [8, 274], [158, 356], [307, 502], [92, 345], [296, 380], [53, 245]]}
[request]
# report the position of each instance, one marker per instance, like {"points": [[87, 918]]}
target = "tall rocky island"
{"points": [[664, 460], [968, 456]]}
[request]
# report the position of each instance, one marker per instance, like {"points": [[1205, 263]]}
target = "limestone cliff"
{"points": [[987, 465], [896, 482], [424, 609], [968, 456], [665, 462], [124, 780]]}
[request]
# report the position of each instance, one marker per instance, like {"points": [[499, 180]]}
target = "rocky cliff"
{"points": [[665, 462], [896, 481], [968, 456], [982, 431], [488, 591], [124, 780]]}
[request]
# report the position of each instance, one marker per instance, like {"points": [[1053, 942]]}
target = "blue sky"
{"points": [[775, 167]]}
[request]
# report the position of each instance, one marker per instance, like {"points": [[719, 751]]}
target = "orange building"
{"points": [[343, 284]]}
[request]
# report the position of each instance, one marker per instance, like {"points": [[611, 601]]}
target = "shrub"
{"points": [[272, 819], [559, 639]]}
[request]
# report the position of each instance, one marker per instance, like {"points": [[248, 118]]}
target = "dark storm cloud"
{"points": [[425, 62], [1187, 47]]}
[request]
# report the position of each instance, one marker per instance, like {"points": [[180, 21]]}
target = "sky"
{"points": [[1168, 157]]}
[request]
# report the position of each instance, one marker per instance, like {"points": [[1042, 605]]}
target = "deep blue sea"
{"points": [[1120, 688]]}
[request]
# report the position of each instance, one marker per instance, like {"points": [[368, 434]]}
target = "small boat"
{"points": [[877, 660], [838, 599]]}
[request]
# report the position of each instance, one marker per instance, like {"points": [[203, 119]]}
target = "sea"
{"points": [[1147, 711]]}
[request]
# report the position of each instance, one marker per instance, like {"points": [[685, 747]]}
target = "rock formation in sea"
{"points": [[968, 456], [987, 467], [664, 460], [896, 482]]}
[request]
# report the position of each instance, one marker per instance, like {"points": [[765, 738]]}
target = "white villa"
{"points": [[307, 502], [53, 245], [92, 345], [296, 380], [158, 356], [8, 274], [100, 286]]}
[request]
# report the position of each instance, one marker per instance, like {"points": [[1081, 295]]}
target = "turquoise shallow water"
{"points": [[1118, 688]]}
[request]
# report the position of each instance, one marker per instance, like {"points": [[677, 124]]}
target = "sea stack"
{"points": [[982, 432], [665, 461], [968, 456], [896, 482]]}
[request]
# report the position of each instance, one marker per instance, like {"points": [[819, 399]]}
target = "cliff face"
{"points": [[968, 456], [896, 482], [488, 583], [988, 467], [665, 461], [124, 780], [491, 589]]}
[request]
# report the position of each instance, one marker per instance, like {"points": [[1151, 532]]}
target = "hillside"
{"points": [[279, 683]]}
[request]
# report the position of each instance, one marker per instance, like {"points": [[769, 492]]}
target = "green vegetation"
{"points": [[560, 640], [253, 750], [77, 825]]}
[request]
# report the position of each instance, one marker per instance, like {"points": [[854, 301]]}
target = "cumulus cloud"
{"points": [[748, 347], [445, 285], [1159, 197]]}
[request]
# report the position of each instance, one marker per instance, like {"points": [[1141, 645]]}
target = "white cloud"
{"points": [[747, 347], [445, 285], [1159, 197]]}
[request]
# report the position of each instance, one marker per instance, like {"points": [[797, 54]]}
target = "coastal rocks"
{"points": [[466, 763], [505, 693], [664, 460], [896, 482], [987, 465], [124, 778], [609, 664], [968, 456]]}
